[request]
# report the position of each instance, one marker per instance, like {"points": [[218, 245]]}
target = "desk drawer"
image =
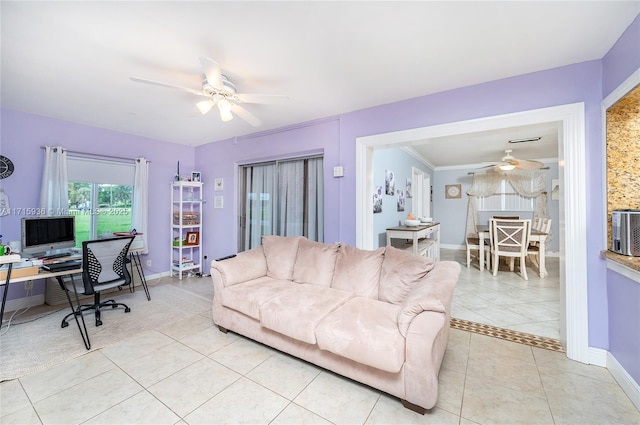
{"points": [[22, 272]]}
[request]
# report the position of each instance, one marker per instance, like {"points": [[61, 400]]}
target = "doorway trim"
{"points": [[574, 324]]}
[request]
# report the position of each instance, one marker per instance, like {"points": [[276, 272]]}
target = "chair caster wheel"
{"points": [[64, 324], [127, 310], [98, 322]]}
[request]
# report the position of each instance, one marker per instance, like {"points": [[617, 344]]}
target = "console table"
{"points": [[425, 238]]}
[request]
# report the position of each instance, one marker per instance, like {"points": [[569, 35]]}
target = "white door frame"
{"points": [[573, 204]]}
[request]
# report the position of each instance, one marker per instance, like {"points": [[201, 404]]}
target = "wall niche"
{"points": [[623, 155]]}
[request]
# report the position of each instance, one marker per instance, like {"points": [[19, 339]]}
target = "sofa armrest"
{"points": [[245, 266], [433, 293]]}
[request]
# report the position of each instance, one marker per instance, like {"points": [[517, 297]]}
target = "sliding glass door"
{"points": [[283, 198]]}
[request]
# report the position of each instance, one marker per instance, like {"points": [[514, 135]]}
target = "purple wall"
{"points": [[623, 294], [22, 135], [570, 84]]}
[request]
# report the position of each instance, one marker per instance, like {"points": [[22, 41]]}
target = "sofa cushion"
{"points": [[297, 311], [315, 263], [358, 271], [401, 270], [248, 265], [365, 331], [247, 297], [280, 253]]}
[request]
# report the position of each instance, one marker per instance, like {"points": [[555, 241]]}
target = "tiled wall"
{"points": [[623, 155]]}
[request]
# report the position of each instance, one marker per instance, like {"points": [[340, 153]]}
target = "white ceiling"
{"points": [[72, 60]]}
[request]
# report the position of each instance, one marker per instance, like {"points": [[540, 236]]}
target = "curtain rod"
{"points": [[96, 156], [470, 173]]}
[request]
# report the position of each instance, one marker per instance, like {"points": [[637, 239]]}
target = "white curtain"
{"points": [[260, 205], [140, 207], [54, 191], [315, 199], [291, 183], [529, 184]]}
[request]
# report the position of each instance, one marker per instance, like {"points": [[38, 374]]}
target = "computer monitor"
{"points": [[43, 235]]}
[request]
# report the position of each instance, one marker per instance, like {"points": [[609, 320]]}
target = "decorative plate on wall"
{"points": [[453, 191]]}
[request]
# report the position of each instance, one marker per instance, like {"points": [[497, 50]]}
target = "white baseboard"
{"points": [[628, 385], [597, 356], [18, 303]]}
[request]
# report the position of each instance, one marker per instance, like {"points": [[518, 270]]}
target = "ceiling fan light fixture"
{"points": [[507, 167], [204, 106], [225, 110]]}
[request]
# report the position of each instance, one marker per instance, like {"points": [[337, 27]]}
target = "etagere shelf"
{"points": [[186, 228]]}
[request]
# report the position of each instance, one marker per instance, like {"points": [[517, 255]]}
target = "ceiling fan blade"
{"points": [[526, 164], [489, 166], [172, 86], [269, 99], [212, 72], [246, 115]]}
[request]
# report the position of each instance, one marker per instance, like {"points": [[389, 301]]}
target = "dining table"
{"points": [[535, 236]]}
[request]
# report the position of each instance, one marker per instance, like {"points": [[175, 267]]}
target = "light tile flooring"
{"points": [[507, 300], [190, 373]]}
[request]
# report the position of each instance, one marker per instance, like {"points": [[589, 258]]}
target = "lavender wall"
{"points": [[570, 84], [623, 294], [22, 136]]}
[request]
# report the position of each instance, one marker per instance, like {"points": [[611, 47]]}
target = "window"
{"points": [[281, 198], [100, 197], [506, 199]]}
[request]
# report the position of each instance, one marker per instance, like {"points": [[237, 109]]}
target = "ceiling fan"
{"points": [[510, 163], [218, 90]]}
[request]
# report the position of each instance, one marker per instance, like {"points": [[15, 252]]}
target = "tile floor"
{"points": [[508, 301], [190, 373]]}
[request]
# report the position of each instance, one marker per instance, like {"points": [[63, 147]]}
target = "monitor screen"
{"points": [[44, 234]]}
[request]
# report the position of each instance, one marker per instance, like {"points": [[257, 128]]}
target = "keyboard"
{"points": [[62, 266], [54, 256]]}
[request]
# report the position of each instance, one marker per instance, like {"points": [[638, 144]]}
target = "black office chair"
{"points": [[103, 268]]}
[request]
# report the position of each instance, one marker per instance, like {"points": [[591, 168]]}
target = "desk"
{"points": [[58, 275], [134, 258], [428, 232], [536, 236]]}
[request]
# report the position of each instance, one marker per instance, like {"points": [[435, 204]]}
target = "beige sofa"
{"points": [[379, 317]]}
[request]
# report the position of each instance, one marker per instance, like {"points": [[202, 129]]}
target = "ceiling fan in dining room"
{"points": [[509, 163], [218, 90]]}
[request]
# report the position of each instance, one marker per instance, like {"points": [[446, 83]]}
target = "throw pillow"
{"points": [[315, 263], [280, 253], [358, 271], [401, 270]]}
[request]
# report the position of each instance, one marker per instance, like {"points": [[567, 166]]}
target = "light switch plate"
{"points": [[338, 171]]}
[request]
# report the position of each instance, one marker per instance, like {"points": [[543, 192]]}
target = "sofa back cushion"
{"points": [[358, 271], [401, 271], [315, 263], [280, 253]]}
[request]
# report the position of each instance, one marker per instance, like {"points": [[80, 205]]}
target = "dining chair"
{"points": [[103, 268], [533, 250], [473, 244], [510, 239]]}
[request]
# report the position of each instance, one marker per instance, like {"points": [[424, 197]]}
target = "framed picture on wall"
{"points": [[453, 191]]}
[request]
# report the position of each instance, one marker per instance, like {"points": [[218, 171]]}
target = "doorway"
{"points": [[571, 156]]}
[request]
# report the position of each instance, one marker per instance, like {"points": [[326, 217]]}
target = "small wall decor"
{"points": [[193, 238], [195, 176], [377, 200], [218, 184], [389, 182], [400, 200], [555, 189], [409, 193], [453, 191]]}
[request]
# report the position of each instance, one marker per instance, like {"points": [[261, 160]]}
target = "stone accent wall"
{"points": [[623, 155]]}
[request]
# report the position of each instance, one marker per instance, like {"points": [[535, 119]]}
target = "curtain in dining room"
{"points": [[529, 184]]}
